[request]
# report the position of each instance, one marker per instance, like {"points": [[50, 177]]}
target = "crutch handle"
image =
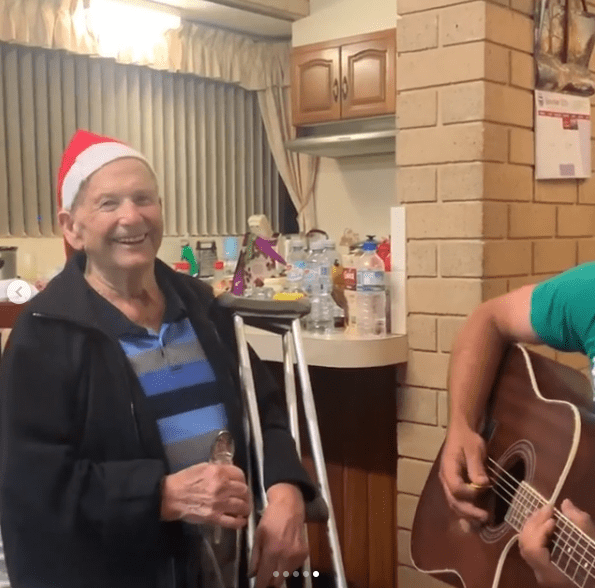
{"points": [[264, 308]]}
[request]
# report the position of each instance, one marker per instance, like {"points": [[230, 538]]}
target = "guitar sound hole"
{"points": [[504, 488]]}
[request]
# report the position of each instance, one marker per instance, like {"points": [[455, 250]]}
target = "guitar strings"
{"points": [[570, 557], [561, 517], [562, 533]]}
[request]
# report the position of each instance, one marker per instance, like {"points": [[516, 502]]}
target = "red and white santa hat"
{"points": [[85, 154]]}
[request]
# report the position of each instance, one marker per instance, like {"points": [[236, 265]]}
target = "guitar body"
{"points": [[539, 429]]}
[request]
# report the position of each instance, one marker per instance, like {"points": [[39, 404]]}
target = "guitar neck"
{"points": [[571, 551]]}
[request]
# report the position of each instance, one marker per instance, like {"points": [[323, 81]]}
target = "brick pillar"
{"points": [[478, 224]]}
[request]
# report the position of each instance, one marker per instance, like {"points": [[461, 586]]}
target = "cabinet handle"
{"points": [[336, 89], [345, 87]]}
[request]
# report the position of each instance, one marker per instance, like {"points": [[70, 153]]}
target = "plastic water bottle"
{"points": [[370, 293], [296, 266], [335, 266], [317, 284]]}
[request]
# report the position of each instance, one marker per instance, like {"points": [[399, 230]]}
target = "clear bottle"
{"points": [[296, 266], [370, 293], [335, 271], [317, 284]]}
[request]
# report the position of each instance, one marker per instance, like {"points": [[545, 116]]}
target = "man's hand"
{"points": [[536, 535], [462, 472], [216, 494], [279, 542]]}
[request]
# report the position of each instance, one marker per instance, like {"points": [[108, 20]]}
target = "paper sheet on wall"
{"points": [[562, 136]]}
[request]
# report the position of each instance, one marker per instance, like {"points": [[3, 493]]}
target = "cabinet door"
{"points": [[315, 86], [368, 76]]}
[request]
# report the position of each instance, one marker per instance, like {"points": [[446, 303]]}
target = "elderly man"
{"points": [[118, 378]]}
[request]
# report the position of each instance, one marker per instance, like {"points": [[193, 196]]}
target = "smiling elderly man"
{"points": [[118, 378]]}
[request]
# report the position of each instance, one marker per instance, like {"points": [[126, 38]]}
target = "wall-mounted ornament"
{"points": [[564, 41]]}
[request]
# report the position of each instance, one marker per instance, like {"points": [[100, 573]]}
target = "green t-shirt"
{"points": [[563, 311]]}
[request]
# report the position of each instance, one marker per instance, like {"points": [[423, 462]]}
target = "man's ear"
{"points": [[70, 229]]}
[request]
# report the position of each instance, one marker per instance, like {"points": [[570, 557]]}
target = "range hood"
{"points": [[347, 138]]}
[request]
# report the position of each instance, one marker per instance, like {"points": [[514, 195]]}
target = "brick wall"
{"points": [[478, 224]]}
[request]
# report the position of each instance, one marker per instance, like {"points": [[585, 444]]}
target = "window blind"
{"points": [[204, 138]]}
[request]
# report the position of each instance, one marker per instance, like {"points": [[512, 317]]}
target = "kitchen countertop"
{"points": [[335, 350]]}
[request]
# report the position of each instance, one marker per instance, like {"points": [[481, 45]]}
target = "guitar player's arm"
{"points": [[475, 357]]}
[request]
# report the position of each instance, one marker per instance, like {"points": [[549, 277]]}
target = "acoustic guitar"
{"points": [[540, 436]]}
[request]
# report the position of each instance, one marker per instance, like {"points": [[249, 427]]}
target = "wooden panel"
{"points": [[356, 412], [315, 94], [368, 76]]}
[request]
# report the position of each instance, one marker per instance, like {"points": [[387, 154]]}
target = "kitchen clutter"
{"points": [[347, 291]]}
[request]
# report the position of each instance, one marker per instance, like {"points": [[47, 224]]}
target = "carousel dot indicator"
{"points": [[296, 574], [315, 574], [276, 574], [286, 574], [306, 574]]}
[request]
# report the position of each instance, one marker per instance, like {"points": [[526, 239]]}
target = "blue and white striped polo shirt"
{"points": [[176, 377]]}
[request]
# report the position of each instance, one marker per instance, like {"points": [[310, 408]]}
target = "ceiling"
{"points": [[230, 18]]}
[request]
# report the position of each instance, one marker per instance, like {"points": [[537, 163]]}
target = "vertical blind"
{"points": [[205, 139]]}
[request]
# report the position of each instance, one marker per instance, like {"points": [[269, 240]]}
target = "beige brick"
{"points": [[443, 296], [461, 259], [448, 328], [522, 73], [422, 259], [508, 182], [408, 577], [464, 142], [522, 146], [504, 104], [406, 505], [586, 191], [443, 408], [417, 405], [421, 332], [525, 6], [507, 258], [575, 221], [497, 63], [463, 102], [461, 181], [424, 370], [516, 283], [553, 255], [418, 31], [453, 64], [532, 220], [556, 191], [494, 287], [452, 220], [404, 547], [495, 142], [543, 350], [463, 23], [412, 475], [408, 6], [419, 441], [586, 250], [495, 220], [417, 109], [509, 28], [416, 184], [578, 361]]}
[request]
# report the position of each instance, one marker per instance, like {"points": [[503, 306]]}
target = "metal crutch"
{"points": [[283, 318]]}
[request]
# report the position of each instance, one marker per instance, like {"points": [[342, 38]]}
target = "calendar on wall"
{"points": [[562, 136]]}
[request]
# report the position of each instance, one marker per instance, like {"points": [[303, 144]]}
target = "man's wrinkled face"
{"points": [[117, 219]]}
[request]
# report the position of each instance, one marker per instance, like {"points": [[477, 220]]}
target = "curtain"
{"points": [[192, 48]]}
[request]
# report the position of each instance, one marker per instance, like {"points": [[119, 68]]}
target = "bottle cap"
{"points": [[369, 246], [219, 264], [317, 245]]}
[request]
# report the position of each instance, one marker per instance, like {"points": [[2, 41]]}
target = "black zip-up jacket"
{"points": [[81, 456]]}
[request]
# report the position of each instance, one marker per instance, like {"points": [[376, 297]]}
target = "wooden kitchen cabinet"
{"points": [[348, 78]]}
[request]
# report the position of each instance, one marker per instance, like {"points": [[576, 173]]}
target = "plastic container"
{"points": [[296, 266], [317, 284], [370, 293]]}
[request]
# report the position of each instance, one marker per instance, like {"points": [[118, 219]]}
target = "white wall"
{"points": [[333, 19], [353, 192]]}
